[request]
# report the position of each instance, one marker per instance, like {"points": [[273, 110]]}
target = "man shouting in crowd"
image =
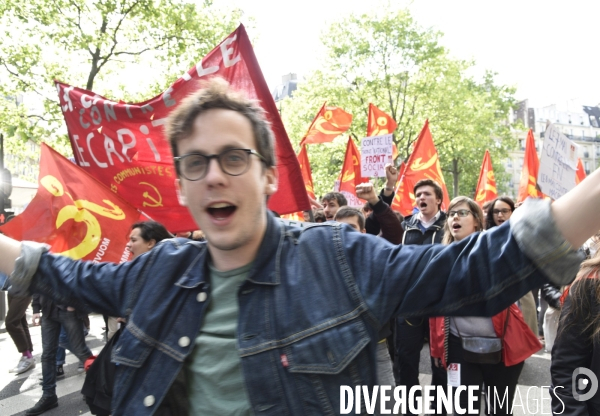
{"points": [[266, 319]]}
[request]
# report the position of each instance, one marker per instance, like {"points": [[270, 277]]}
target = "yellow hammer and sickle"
{"points": [[480, 196], [490, 188], [308, 187], [417, 165], [382, 121], [354, 160], [80, 212], [320, 128], [490, 176], [327, 115], [154, 203], [348, 176]]}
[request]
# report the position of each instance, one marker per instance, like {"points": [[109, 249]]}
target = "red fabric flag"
{"points": [[399, 188], [379, 123], [423, 163], [306, 172], [329, 123], [486, 184], [123, 145], [75, 214], [350, 175], [529, 174], [580, 174]]}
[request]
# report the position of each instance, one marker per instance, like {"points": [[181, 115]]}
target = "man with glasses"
{"points": [[268, 319]]}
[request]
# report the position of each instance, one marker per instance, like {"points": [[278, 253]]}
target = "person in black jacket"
{"points": [[424, 227], [577, 347]]}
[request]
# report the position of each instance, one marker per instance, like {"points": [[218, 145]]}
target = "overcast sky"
{"points": [[547, 49]]}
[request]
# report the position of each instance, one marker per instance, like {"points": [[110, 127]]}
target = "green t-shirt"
{"points": [[214, 372]]}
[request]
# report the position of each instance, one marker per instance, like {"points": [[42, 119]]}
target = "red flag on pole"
{"points": [[306, 172], [350, 175], [123, 145], [75, 214], [399, 188], [423, 163], [486, 185], [379, 122], [329, 123], [580, 174], [531, 166]]}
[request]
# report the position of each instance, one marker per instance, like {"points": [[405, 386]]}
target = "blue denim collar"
{"points": [[263, 272]]}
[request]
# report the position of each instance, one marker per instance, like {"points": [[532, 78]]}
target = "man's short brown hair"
{"points": [[335, 196], [217, 94], [350, 212]]}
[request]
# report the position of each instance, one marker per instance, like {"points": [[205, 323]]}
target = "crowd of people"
{"points": [[265, 318]]}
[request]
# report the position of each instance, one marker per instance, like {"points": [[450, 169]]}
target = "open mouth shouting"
{"points": [[221, 212]]}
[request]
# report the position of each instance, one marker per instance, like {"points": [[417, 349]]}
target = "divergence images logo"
{"points": [[589, 382]]}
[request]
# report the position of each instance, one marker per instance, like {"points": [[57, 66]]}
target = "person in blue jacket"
{"points": [[268, 319]]}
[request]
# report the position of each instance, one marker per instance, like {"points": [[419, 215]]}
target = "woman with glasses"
{"points": [[500, 211], [480, 351]]}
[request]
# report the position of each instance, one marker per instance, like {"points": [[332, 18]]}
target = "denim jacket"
{"points": [[310, 309]]}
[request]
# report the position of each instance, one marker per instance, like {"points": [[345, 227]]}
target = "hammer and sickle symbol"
{"points": [[81, 211], [154, 202]]}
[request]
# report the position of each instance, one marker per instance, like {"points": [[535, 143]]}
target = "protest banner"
{"points": [[558, 164], [123, 145], [376, 152]]}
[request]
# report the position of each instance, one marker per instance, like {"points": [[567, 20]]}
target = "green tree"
{"points": [[129, 49], [393, 63]]}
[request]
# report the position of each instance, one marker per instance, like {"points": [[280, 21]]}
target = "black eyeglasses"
{"points": [[460, 213], [504, 211], [233, 162]]}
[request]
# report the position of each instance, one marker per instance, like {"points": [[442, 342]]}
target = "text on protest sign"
{"points": [[376, 152], [558, 164]]}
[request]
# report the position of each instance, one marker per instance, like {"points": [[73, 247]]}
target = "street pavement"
{"points": [[20, 392]]}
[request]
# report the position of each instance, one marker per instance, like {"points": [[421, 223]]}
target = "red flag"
{"points": [[75, 214], [396, 204], [329, 123], [350, 175], [580, 174], [529, 174], [123, 145], [379, 123], [306, 172], [486, 185], [423, 163]]}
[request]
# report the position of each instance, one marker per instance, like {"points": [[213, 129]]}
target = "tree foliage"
{"points": [[130, 49], [395, 64]]}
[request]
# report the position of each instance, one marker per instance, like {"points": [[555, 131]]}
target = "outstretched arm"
{"points": [[10, 250], [576, 213]]}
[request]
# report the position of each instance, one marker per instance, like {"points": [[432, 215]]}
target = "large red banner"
{"points": [[123, 145], [75, 214]]}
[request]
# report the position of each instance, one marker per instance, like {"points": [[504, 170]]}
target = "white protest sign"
{"points": [[375, 153], [558, 164]]}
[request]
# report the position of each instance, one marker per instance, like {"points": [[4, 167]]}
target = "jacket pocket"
{"points": [[329, 351], [324, 361], [130, 351]]}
